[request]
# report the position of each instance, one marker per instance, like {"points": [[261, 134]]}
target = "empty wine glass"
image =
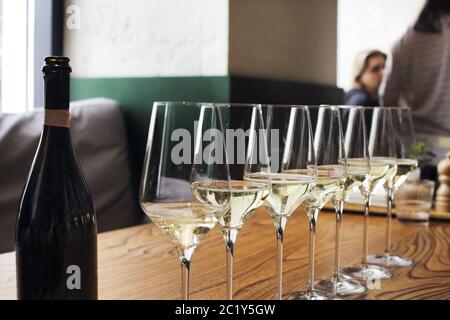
{"points": [[243, 137], [404, 141], [292, 169], [382, 162], [165, 192], [331, 177], [355, 145]]}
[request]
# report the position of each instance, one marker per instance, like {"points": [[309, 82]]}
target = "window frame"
{"points": [[48, 40], [32, 30]]}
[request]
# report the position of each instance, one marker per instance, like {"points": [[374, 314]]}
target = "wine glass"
{"points": [[165, 191], [292, 169], [355, 146], [244, 140], [404, 141], [382, 162], [331, 177]]}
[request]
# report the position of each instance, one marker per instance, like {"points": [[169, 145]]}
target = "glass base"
{"points": [[344, 287], [368, 272], [389, 261], [306, 295]]}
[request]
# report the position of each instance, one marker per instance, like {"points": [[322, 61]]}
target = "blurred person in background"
{"points": [[369, 70], [418, 75]]}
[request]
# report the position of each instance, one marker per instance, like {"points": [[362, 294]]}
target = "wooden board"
{"points": [[141, 263], [354, 207]]}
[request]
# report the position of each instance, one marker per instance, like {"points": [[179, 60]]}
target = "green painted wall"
{"points": [[136, 96]]}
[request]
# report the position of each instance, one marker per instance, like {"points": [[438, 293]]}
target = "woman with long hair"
{"points": [[369, 69]]}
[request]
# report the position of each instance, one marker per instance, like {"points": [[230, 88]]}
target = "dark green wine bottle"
{"points": [[56, 231]]}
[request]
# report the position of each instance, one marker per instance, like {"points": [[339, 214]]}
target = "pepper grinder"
{"points": [[443, 193]]}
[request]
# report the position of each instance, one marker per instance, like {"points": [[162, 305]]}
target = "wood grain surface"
{"points": [[377, 210], [141, 263]]}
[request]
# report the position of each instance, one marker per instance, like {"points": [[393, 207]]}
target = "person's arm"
{"points": [[390, 89]]}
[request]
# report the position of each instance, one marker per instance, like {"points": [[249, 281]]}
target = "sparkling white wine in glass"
{"points": [[381, 170], [239, 128], [246, 196], [290, 147], [330, 180], [165, 192], [357, 170], [288, 191], [185, 223], [357, 173], [404, 143], [404, 168], [383, 166]]}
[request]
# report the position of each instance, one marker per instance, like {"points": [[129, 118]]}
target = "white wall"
{"points": [[133, 38], [278, 39], [284, 39], [370, 24]]}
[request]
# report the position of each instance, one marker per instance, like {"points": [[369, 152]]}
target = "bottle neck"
{"points": [[56, 90], [57, 96], [56, 73]]}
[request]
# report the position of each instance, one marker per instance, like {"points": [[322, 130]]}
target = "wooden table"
{"points": [[141, 263]]}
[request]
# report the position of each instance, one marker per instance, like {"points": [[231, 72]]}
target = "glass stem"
{"points": [[185, 266], [280, 226], [312, 214], [366, 231], [337, 254], [390, 199], [230, 262], [230, 236]]}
